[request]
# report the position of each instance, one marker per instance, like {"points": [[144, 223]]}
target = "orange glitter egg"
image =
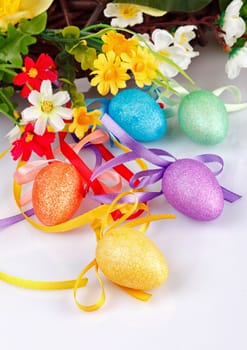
{"points": [[57, 193]]}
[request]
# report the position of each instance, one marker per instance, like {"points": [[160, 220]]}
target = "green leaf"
{"points": [[15, 45], [223, 4], [170, 5], [35, 25], [86, 58], [71, 32], [243, 11], [7, 107]]}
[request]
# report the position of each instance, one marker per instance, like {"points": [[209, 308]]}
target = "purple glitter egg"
{"points": [[191, 188]]}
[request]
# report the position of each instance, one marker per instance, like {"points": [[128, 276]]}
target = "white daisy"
{"points": [[47, 108], [126, 14], [233, 25], [237, 60]]}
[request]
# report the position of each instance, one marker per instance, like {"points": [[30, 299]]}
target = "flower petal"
{"points": [[162, 39], [35, 7], [40, 125], [56, 122], [60, 98], [30, 113], [63, 112], [34, 97], [46, 89]]}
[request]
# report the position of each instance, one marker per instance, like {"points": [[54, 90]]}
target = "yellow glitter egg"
{"points": [[130, 259], [57, 193]]}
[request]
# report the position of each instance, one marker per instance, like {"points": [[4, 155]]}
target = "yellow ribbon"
{"points": [[99, 227], [101, 220], [2, 154], [41, 285]]}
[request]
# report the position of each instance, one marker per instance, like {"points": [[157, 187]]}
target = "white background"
{"points": [[203, 305]]}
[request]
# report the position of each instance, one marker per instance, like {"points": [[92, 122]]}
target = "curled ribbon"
{"points": [[102, 222], [26, 172], [104, 226], [148, 177]]}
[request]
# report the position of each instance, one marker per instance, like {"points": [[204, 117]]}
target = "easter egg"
{"points": [[138, 114], [57, 193], [191, 188], [203, 117], [130, 259]]}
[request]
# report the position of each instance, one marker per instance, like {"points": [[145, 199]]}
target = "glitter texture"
{"points": [[191, 188], [130, 259], [203, 117], [138, 114], [57, 193]]}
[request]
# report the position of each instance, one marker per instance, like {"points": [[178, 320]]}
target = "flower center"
{"points": [[32, 73], [128, 11], [29, 137], [47, 106], [139, 67], [8, 7], [110, 74], [165, 53], [182, 39], [83, 119]]}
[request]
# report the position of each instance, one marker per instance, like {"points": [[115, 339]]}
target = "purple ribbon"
{"points": [[11, 220], [147, 177]]}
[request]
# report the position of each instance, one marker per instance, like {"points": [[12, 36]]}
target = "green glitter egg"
{"points": [[203, 117]]}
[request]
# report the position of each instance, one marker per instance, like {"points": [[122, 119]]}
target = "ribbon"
{"points": [[148, 177], [40, 285], [101, 223], [104, 226], [171, 104], [26, 172]]}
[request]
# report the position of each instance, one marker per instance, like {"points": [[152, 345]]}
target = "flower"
{"points": [[182, 36], [233, 25], [110, 74], [82, 120], [142, 64], [163, 43], [33, 73], [31, 142], [126, 14], [116, 42], [12, 11], [47, 108], [237, 60]]}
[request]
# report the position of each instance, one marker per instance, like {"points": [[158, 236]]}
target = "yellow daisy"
{"points": [[142, 64], [82, 120], [116, 42], [110, 75]]}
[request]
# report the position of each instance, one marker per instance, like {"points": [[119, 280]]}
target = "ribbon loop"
{"points": [[211, 158], [101, 299]]}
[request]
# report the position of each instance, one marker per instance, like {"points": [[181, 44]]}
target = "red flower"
{"points": [[33, 73], [30, 142]]}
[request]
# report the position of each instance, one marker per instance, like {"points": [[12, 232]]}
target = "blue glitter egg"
{"points": [[138, 114], [203, 117]]}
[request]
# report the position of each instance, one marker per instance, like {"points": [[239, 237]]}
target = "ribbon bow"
{"points": [[150, 176]]}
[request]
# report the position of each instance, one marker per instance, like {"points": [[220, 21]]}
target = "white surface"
{"points": [[203, 305]]}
